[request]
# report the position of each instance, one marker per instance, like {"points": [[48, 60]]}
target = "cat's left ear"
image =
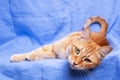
{"points": [[104, 50], [85, 33]]}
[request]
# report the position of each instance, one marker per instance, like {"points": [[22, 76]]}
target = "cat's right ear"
{"points": [[104, 50], [85, 33]]}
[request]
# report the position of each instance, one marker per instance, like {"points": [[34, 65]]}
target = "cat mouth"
{"points": [[76, 67]]}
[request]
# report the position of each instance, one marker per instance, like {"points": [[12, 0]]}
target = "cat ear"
{"points": [[105, 50], [85, 33]]}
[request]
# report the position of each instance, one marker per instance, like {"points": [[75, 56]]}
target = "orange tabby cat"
{"points": [[84, 50]]}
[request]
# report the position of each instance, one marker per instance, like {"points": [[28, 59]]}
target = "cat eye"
{"points": [[87, 60], [77, 51]]}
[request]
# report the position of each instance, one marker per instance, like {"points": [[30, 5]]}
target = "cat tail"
{"points": [[99, 20]]}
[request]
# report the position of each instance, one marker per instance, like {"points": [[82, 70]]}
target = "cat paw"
{"points": [[31, 57], [17, 58]]}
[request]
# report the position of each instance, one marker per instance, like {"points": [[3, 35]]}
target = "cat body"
{"points": [[83, 49]]}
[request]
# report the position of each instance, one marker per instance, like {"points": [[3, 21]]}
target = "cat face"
{"points": [[85, 53]]}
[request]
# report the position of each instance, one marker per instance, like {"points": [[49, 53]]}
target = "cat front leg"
{"points": [[34, 55], [40, 53], [18, 57], [21, 57]]}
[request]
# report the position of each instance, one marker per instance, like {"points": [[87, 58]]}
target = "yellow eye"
{"points": [[77, 51]]}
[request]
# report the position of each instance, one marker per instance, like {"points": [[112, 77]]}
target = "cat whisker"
{"points": [[90, 74], [87, 74], [82, 72]]}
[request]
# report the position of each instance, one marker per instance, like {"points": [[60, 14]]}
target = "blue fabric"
{"points": [[28, 24]]}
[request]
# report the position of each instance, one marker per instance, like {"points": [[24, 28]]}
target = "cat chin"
{"points": [[76, 67]]}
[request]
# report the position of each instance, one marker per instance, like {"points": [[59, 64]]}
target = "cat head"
{"points": [[85, 53]]}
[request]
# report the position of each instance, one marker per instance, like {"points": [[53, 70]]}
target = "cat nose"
{"points": [[75, 63]]}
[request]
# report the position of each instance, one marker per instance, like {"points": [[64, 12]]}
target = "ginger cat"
{"points": [[84, 50]]}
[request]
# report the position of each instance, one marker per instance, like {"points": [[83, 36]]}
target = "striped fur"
{"points": [[84, 50]]}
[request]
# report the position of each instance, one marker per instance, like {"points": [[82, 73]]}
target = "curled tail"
{"points": [[99, 20]]}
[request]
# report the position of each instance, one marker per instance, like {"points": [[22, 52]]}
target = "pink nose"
{"points": [[75, 63]]}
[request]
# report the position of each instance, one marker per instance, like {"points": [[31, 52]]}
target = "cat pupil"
{"points": [[77, 51], [87, 60]]}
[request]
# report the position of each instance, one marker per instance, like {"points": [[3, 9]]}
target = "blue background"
{"points": [[28, 24]]}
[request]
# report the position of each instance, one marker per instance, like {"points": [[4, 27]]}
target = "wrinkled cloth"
{"points": [[28, 24]]}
